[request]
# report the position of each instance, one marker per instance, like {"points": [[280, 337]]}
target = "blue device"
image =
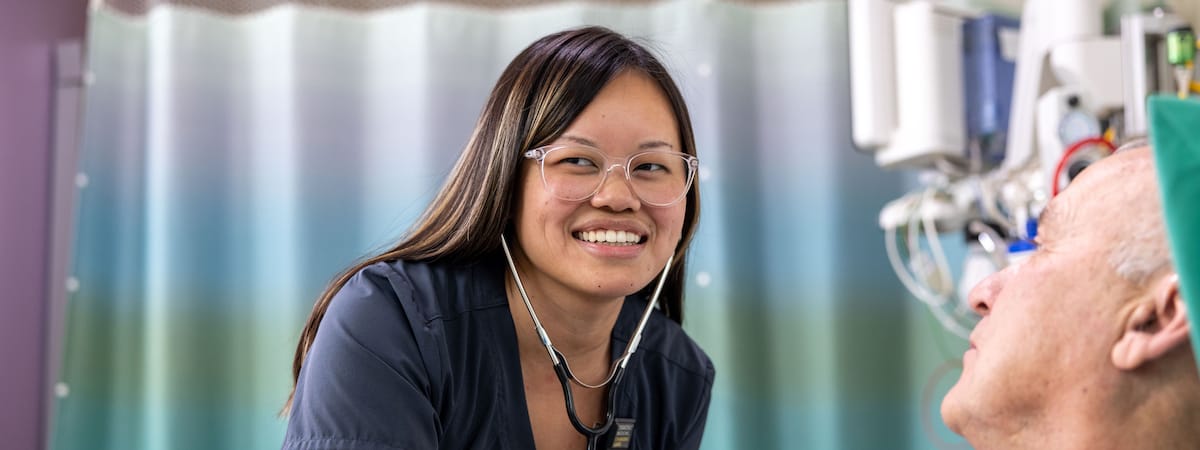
{"points": [[988, 80]]}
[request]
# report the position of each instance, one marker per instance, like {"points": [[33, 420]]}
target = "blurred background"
{"points": [[180, 179]]}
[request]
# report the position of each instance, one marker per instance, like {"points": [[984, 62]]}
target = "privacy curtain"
{"points": [[236, 155]]}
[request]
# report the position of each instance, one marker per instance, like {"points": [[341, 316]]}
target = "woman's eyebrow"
{"points": [[643, 146], [579, 140], [654, 144]]}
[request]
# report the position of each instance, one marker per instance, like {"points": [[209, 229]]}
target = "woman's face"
{"points": [[558, 238]]}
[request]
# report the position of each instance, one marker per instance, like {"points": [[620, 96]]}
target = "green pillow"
{"points": [[1175, 136]]}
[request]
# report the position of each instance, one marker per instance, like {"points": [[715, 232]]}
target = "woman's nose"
{"points": [[615, 192]]}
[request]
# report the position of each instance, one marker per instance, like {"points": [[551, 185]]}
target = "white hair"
{"points": [[1142, 252]]}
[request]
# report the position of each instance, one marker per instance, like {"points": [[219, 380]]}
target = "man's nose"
{"points": [[983, 297], [615, 192]]}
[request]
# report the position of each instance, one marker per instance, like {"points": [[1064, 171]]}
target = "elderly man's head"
{"points": [[1087, 333]]}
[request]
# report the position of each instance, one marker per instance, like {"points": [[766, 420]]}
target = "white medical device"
{"points": [[998, 115]]}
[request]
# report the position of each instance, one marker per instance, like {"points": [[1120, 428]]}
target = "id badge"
{"points": [[623, 434]]}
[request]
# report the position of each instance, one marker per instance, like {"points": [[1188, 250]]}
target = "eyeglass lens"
{"points": [[575, 173]]}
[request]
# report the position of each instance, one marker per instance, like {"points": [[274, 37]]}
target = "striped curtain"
{"points": [[238, 154]]}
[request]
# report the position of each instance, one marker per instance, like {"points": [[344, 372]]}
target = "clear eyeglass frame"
{"points": [[539, 154]]}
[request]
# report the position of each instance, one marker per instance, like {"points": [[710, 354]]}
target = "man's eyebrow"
{"points": [[1057, 214], [1044, 216]]}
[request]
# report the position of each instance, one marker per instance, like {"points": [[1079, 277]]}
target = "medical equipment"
{"points": [[563, 371], [901, 103], [1145, 67], [1181, 51], [988, 67], [997, 125]]}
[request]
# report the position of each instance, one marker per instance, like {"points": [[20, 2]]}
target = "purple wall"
{"points": [[29, 31]]}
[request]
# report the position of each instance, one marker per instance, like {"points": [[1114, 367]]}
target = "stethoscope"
{"points": [[561, 369]]}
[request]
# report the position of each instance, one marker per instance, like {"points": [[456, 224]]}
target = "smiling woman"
{"points": [[434, 344]]}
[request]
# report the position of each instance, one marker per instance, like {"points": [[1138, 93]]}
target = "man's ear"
{"points": [[1156, 326]]}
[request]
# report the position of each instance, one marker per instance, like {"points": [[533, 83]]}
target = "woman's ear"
{"points": [[1157, 325]]}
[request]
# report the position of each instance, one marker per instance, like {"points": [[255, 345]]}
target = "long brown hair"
{"points": [[537, 96]]}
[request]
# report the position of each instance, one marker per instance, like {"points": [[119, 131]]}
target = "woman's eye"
{"points": [[651, 167], [583, 162]]}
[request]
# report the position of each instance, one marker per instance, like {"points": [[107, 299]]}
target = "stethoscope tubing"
{"points": [[592, 434], [563, 371]]}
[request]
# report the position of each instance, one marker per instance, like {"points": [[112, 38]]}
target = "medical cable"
{"points": [[927, 398], [935, 244], [935, 302], [915, 283]]}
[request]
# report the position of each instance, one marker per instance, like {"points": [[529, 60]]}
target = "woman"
{"points": [[570, 209]]}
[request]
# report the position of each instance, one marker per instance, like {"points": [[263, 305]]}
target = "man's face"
{"points": [[1048, 323]]}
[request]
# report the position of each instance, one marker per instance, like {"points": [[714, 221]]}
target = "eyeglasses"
{"points": [[575, 173]]}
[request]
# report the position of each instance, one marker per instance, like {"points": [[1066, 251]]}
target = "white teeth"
{"points": [[609, 237]]}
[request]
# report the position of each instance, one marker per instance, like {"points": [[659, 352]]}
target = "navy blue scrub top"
{"points": [[423, 356]]}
